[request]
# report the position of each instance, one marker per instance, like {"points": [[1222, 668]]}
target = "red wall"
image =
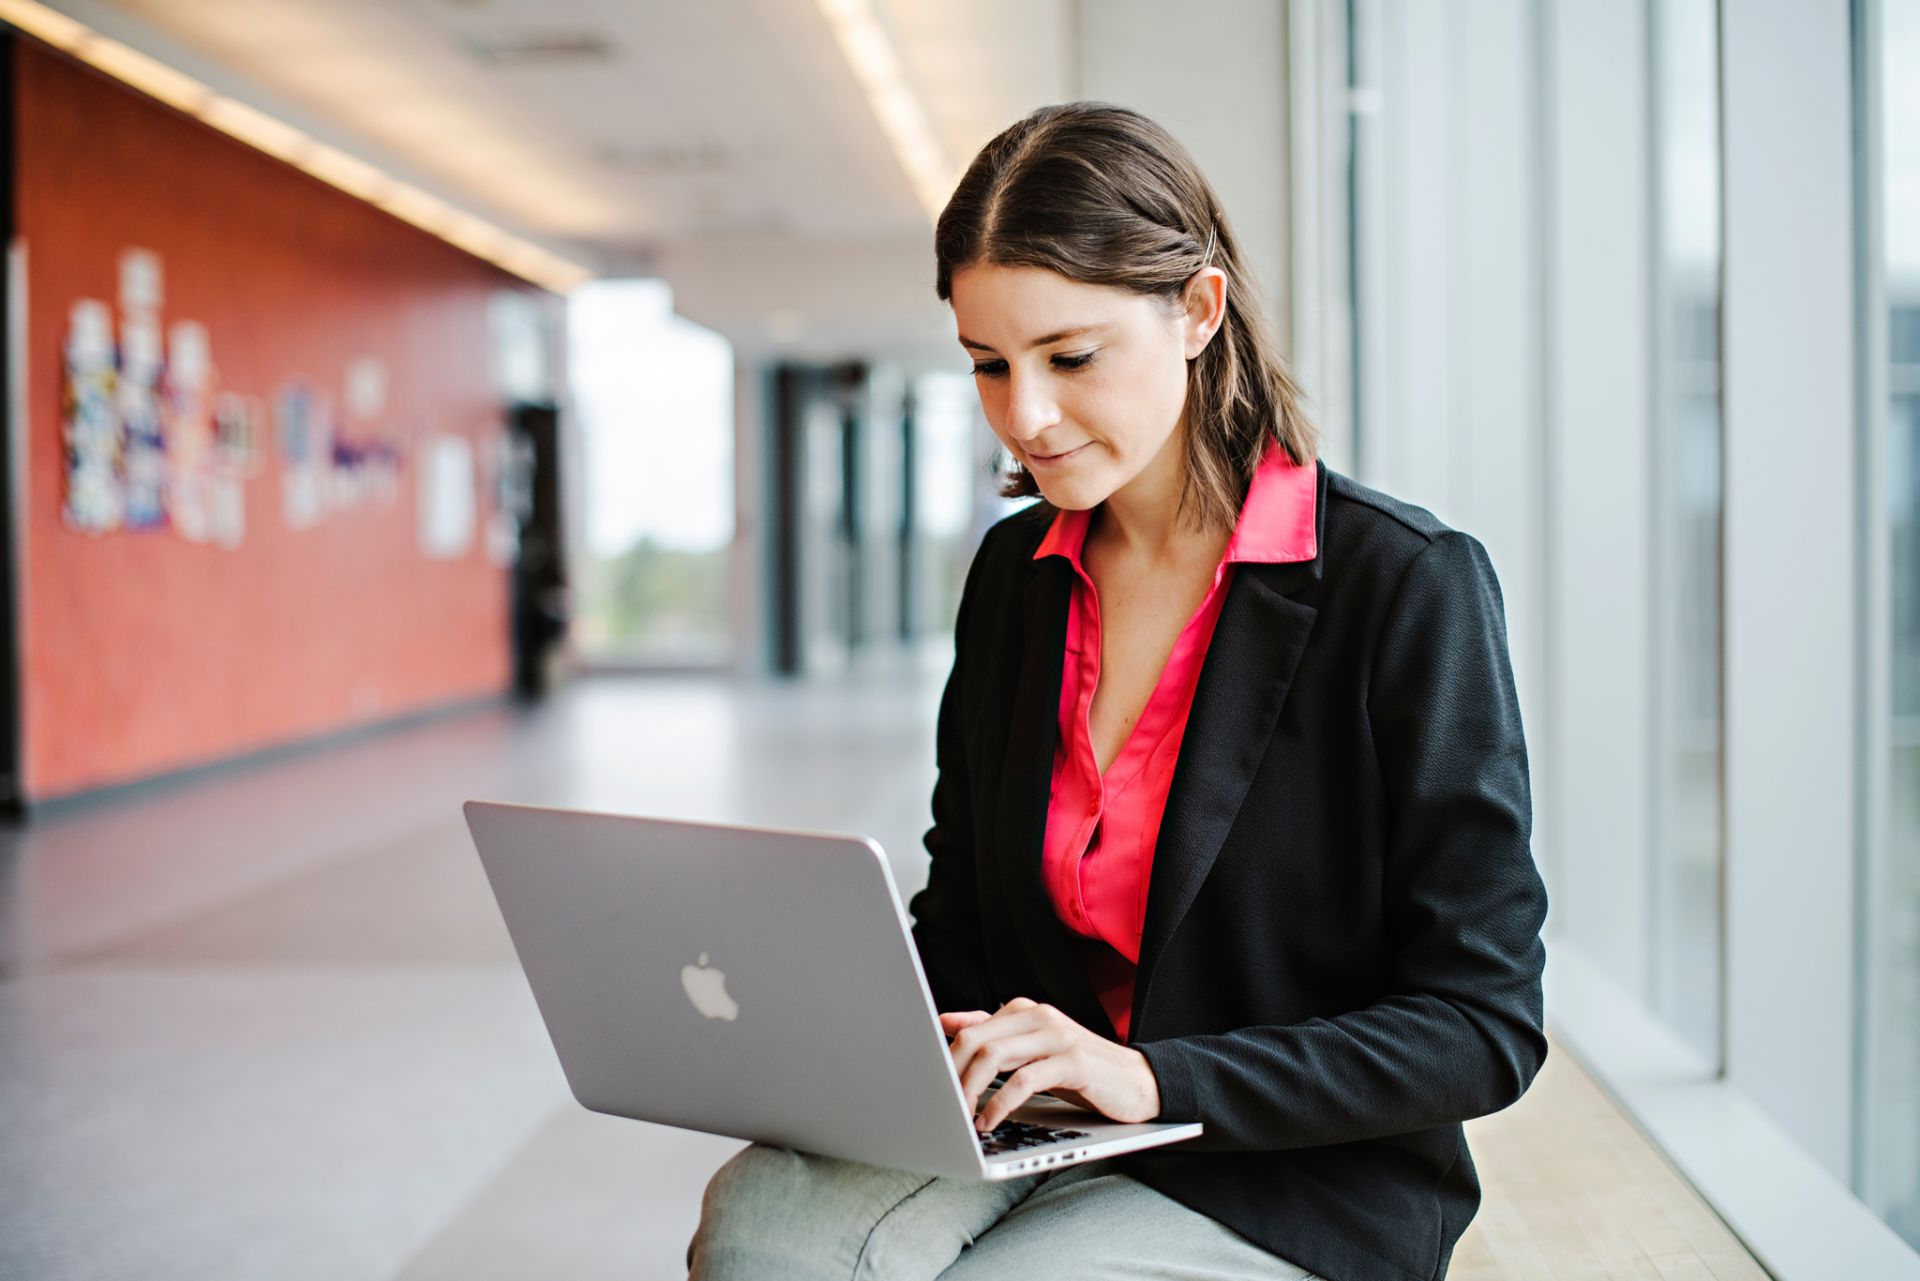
{"points": [[143, 652]]}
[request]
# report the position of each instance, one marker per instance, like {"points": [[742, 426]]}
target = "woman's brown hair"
{"points": [[1104, 196]]}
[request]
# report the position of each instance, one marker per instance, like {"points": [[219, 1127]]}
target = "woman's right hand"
{"points": [[1046, 1052]]}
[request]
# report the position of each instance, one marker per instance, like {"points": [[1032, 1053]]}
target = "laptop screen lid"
{"points": [[749, 982]]}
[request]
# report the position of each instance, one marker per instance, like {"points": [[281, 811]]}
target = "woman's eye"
{"points": [[998, 368]]}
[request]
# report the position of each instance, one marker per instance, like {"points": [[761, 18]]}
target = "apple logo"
{"points": [[707, 989]]}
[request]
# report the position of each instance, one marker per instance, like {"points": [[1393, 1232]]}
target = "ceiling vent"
{"points": [[539, 48]]}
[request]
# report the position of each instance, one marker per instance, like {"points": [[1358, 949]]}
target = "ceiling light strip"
{"points": [[283, 141], [877, 67]]}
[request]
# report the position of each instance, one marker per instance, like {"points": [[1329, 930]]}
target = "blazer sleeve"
{"points": [[946, 913], [1460, 1035]]}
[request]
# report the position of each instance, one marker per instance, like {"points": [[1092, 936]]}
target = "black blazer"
{"points": [[1342, 956]]}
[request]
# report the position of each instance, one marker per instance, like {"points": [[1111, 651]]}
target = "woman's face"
{"points": [[1083, 384]]}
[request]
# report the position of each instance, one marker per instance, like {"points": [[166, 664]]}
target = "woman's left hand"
{"points": [[1051, 1053]]}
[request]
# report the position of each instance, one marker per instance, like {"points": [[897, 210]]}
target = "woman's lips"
{"points": [[1048, 460]]}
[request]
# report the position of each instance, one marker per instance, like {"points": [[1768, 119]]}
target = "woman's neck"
{"points": [[1153, 536], [1141, 521]]}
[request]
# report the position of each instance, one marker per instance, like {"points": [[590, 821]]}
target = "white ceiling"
{"points": [[724, 144]]}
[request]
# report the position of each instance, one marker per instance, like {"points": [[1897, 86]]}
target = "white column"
{"points": [[1792, 566], [1497, 463], [748, 579], [1318, 303], [1598, 470]]}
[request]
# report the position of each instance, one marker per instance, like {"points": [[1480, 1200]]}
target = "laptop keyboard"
{"points": [[1011, 1136]]}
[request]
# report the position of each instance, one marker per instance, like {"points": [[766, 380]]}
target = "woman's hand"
{"points": [[1051, 1053]]}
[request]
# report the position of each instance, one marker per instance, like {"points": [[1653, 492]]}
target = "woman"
{"points": [[1232, 815]]}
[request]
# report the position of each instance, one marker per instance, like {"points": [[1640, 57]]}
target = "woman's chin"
{"points": [[1070, 497], [1070, 493]]}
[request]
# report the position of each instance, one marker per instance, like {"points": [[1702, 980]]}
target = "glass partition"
{"points": [[1890, 1135]]}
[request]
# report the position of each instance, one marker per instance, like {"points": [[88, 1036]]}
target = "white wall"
{"points": [[1170, 63]]}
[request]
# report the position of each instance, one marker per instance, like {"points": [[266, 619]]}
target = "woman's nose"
{"points": [[1031, 408]]}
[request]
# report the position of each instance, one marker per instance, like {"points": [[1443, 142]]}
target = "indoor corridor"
{"points": [[604, 406]]}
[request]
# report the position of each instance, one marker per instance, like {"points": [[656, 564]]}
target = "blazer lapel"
{"points": [[1249, 668], [1026, 785]]}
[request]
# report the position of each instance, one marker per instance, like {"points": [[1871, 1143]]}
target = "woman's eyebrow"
{"points": [[1057, 336]]}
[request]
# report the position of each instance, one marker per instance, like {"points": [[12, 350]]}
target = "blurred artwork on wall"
{"points": [[303, 429], [366, 388], [205, 495], [364, 471], [447, 499], [142, 360], [322, 469], [90, 421], [152, 441], [236, 427], [145, 443], [367, 457]]}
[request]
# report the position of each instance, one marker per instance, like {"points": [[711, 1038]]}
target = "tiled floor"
{"points": [[267, 1024]]}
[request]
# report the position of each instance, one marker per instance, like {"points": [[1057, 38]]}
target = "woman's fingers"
{"points": [[953, 1020], [970, 1042], [1041, 1074], [999, 1056]]}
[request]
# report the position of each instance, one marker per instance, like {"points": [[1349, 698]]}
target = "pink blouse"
{"points": [[1101, 830]]}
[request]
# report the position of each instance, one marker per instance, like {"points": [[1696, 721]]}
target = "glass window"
{"points": [[1891, 1135], [654, 395], [1685, 938]]}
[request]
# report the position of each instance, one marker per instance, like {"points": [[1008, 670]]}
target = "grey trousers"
{"points": [[776, 1213]]}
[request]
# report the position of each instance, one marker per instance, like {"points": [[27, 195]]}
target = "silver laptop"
{"points": [[753, 983]]}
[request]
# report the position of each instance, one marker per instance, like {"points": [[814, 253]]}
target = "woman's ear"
{"points": [[1205, 303]]}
